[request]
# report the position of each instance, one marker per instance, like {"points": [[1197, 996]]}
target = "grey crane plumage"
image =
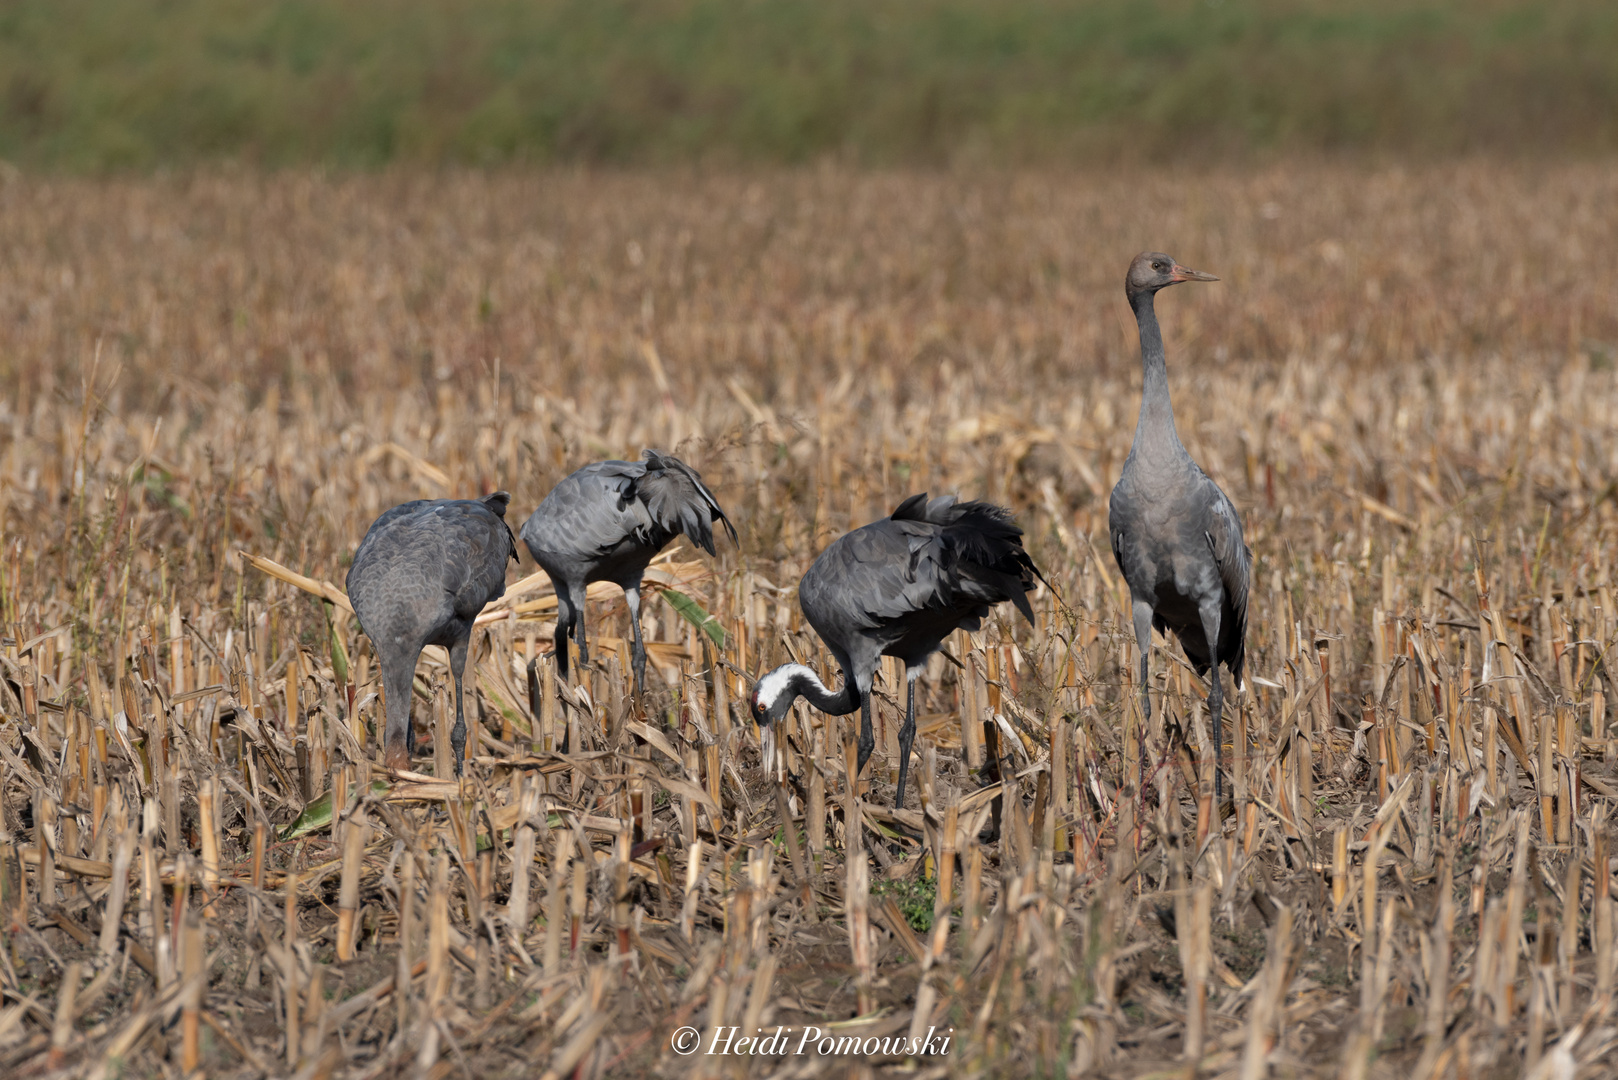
{"points": [[898, 587], [1176, 536], [605, 522], [423, 572]]}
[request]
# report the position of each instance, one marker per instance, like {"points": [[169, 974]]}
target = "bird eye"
{"points": [[1158, 266]]}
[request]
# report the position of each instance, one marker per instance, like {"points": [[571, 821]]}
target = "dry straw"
{"points": [[1406, 380]]}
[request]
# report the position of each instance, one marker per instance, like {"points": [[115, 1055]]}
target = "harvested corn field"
{"points": [[1406, 380]]}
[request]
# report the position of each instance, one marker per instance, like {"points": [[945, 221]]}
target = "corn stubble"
{"points": [[1406, 381]]}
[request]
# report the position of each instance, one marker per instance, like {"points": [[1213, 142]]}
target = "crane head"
{"points": [[773, 695], [1153, 270], [770, 700]]}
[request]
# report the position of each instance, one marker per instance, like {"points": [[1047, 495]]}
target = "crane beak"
{"points": [[1180, 273], [766, 745]]}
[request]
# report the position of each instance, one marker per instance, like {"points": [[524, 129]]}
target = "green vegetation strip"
{"points": [[109, 84]]}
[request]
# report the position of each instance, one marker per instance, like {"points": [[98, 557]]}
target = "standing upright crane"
{"points": [[1176, 536]]}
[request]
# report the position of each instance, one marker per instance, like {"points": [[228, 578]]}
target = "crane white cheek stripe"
{"points": [[773, 684]]}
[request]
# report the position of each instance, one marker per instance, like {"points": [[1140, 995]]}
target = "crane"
{"points": [[423, 572], [605, 522], [1177, 537], [898, 587]]}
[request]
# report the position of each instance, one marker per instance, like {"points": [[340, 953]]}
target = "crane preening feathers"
{"points": [[898, 587], [605, 522], [1176, 536]]}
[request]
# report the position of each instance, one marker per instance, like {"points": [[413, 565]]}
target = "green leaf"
{"points": [[696, 615], [889, 833], [317, 815], [339, 653]]}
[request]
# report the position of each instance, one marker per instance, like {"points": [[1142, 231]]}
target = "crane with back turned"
{"points": [[422, 574], [1176, 536]]}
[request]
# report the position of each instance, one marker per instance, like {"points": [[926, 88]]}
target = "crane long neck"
{"points": [[804, 682], [1154, 431]]}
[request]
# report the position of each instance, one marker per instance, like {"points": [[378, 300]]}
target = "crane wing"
{"points": [[1235, 561], [1123, 517], [953, 559], [589, 513]]}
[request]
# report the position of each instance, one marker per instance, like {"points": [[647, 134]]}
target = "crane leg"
{"points": [[1142, 611], [1216, 694], [578, 626], [637, 651], [907, 734], [1143, 642], [564, 627], [457, 734], [867, 739]]}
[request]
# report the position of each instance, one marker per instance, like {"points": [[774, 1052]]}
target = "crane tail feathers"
{"points": [[980, 545], [678, 499], [1020, 599], [912, 509]]}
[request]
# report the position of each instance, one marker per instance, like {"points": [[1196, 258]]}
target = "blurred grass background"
{"points": [[95, 85]]}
